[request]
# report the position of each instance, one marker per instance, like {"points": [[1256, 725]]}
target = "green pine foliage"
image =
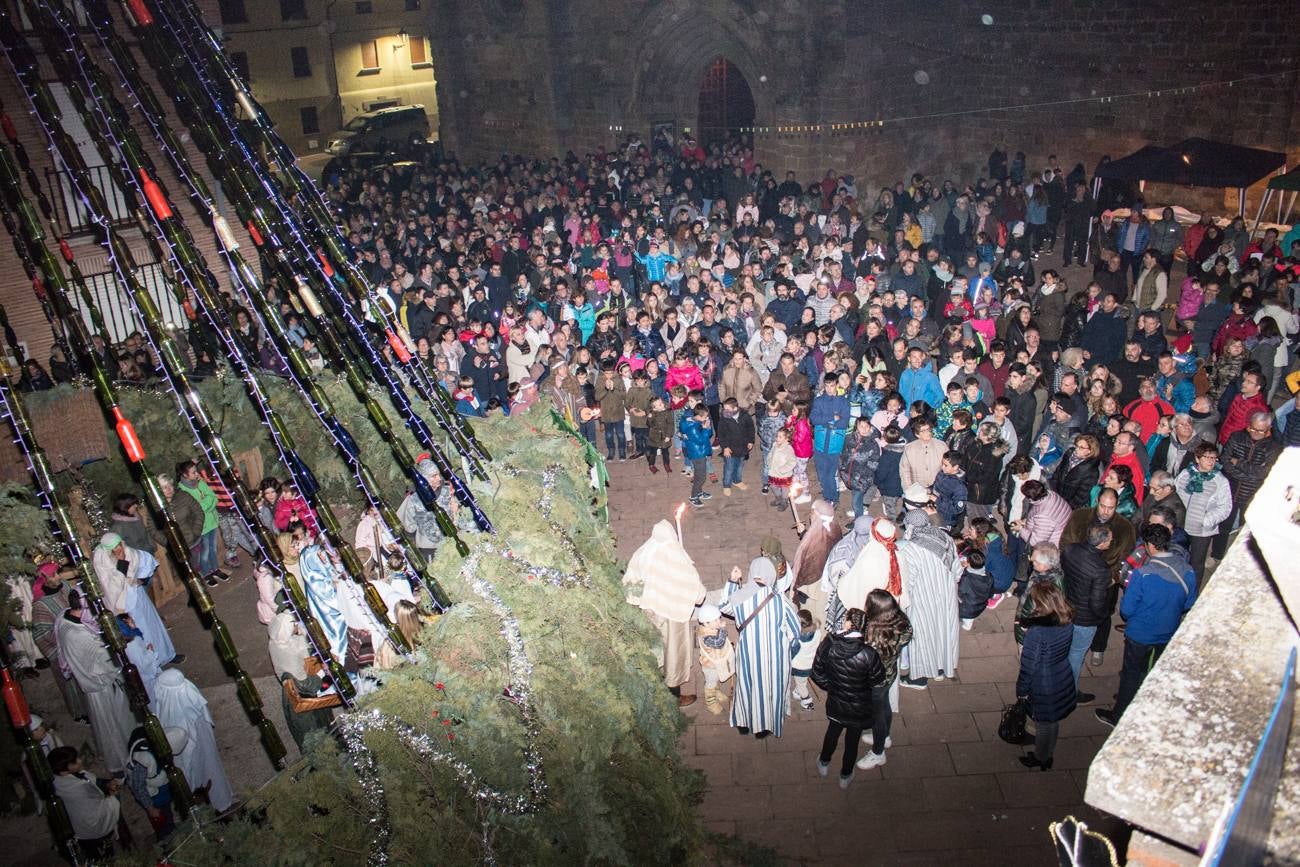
{"points": [[606, 729], [168, 439]]}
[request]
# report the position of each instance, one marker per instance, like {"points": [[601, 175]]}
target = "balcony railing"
{"points": [[71, 214]]}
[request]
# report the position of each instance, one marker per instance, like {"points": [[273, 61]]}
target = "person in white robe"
{"points": [[180, 704], [23, 652], [374, 535], [661, 579], [843, 556], [931, 570], [768, 626], [141, 654], [288, 646], [123, 572], [876, 567], [93, 813], [111, 717]]}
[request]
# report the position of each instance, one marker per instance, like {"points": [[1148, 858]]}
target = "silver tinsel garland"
{"points": [[429, 747]]}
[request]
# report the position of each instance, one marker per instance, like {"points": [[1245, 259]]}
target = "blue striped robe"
{"points": [[761, 701]]}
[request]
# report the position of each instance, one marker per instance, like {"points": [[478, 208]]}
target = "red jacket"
{"points": [[1147, 413], [1139, 478], [1238, 415], [288, 508]]}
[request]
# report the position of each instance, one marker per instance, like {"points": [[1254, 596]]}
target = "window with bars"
{"points": [[293, 10], [365, 7]]}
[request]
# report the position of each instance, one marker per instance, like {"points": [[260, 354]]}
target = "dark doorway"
{"points": [[726, 103]]}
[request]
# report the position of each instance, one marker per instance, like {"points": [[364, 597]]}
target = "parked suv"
{"points": [[383, 130]]}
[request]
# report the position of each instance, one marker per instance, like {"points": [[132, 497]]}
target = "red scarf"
{"points": [[895, 585]]}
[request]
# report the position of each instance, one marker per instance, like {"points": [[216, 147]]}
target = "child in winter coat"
{"points": [[805, 649], [659, 434], [801, 440], [781, 464], [974, 589], [888, 479], [858, 462], [772, 420], [639, 399], [950, 489], [612, 399], [717, 656]]}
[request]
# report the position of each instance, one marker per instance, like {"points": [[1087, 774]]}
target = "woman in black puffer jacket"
{"points": [[847, 668], [1078, 471]]}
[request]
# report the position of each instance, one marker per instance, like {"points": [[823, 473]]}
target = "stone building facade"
{"points": [[949, 79]]}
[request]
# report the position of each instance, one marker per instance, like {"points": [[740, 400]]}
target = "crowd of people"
{"points": [[999, 433]]}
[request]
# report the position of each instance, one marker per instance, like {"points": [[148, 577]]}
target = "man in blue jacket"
{"points": [[829, 417], [919, 381], [1158, 594], [787, 306]]}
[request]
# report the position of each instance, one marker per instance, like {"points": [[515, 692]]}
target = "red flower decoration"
{"points": [[450, 736], [446, 722], [438, 686], [435, 714]]}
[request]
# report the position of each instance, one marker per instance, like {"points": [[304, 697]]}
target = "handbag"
{"points": [[829, 440], [1011, 728]]}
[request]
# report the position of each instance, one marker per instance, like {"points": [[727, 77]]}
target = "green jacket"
{"points": [[661, 429], [205, 500], [639, 398]]}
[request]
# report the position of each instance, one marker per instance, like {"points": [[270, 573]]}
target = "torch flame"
{"points": [[680, 510]]}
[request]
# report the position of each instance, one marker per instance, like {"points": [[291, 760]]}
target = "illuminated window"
{"points": [[419, 52], [369, 56]]}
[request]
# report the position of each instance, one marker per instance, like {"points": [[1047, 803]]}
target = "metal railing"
{"points": [[115, 307], [69, 212]]}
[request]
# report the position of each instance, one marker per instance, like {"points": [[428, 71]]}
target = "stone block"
{"points": [[921, 760]]}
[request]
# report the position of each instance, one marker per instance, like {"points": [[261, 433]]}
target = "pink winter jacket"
{"points": [[1046, 520], [801, 437], [688, 375]]}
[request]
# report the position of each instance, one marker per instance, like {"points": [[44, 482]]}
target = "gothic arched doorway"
{"points": [[726, 102]]}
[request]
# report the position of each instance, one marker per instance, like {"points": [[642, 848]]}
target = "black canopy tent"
{"points": [[1195, 162]]}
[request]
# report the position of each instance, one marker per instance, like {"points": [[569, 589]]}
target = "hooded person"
{"points": [[661, 579], [288, 647], [46, 738], [416, 518], [319, 571], [180, 704], [141, 654], [877, 567], [47, 611], [846, 550], [123, 572], [768, 626], [110, 713], [930, 570], [823, 534]]}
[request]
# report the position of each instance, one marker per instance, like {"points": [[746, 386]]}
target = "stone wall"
{"points": [[578, 74]]}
